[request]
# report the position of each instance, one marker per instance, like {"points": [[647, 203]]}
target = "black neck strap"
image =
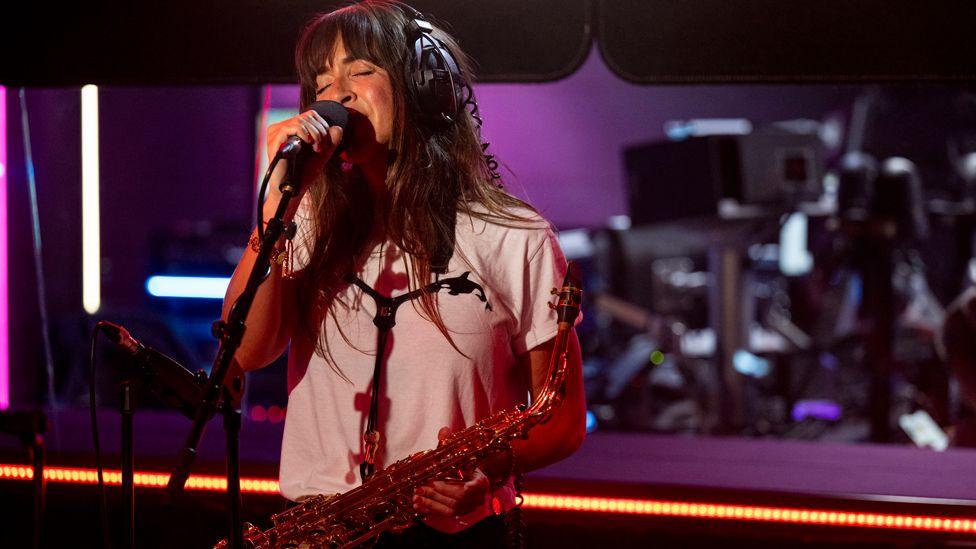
{"points": [[385, 320]]}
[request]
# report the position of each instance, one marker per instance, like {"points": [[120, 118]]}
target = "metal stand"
{"points": [[128, 467], [172, 383], [726, 317], [215, 398], [130, 390], [232, 431], [874, 257]]}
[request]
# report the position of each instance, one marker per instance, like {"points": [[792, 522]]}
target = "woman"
{"points": [[411, 204]]}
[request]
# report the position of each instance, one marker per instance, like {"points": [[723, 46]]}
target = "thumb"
{"points": [[443, 433], [335, 135]]}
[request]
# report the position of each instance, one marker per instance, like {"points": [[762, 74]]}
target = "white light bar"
{"points": [[91, 265], [191, 287]]}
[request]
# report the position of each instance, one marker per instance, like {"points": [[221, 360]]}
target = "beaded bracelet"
{"points": [[278, 256]]}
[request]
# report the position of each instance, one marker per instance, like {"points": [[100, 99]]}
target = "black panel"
{"points": [[252, 41], [518, 40], [674, 180], [668, 41]]}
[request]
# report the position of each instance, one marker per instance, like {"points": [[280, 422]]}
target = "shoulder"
{"points": [[507, 245], [512, 227]]}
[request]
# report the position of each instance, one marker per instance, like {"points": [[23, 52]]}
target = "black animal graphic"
{"points": [[462, 285]]}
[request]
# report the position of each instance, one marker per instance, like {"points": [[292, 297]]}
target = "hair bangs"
{"points": [[363, 34]]}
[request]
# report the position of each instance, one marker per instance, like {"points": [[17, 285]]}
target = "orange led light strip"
{"points": [[75, 475], [557, 502], [684, 509]]}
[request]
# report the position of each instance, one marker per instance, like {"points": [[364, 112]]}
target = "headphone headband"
{"points": [[433, 73]]}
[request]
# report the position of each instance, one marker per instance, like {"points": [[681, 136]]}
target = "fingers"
{"points": [[308, 130], [316, 129], [323, 137], [450, 497], [430, 501], [449, 488], [307, 126]]}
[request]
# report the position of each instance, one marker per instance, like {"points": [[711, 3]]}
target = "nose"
{"points": [[340, 92]]}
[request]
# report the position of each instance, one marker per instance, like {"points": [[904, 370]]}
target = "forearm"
{"points": [[268, 324], [563, 434], [559, 437]]}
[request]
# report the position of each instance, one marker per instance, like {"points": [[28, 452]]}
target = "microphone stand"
{"points": [[172, 384], [230, 334], [127, 410]]}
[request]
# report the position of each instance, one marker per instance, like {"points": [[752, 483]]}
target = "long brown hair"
{"points": [[432, 174]]}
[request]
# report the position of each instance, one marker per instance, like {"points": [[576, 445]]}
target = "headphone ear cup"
{"points": [[436, 79]]}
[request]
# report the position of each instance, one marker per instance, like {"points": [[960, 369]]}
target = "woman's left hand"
{"points": [[451, 498]]}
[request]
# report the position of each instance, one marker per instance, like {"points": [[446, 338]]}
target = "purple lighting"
{"points": [[827, 410], [4, 302]]}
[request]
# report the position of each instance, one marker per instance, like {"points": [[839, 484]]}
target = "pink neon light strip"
{"points": [[4, 301]]}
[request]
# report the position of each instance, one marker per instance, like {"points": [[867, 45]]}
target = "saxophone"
{"points": [[383, 503]]}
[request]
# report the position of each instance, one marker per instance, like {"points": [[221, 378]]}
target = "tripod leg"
{"points": [[232, 429]]}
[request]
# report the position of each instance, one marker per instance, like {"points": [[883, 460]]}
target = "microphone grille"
{"points": [[333, 113]]}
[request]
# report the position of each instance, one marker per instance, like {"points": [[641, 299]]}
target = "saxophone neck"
{"points": [[567, 308], [552, 392]]}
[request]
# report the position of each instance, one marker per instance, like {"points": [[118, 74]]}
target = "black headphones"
{"points": [[433, 73], [441, 92]]}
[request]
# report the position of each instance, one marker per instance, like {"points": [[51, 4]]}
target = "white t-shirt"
{"points": [[494, 306]]}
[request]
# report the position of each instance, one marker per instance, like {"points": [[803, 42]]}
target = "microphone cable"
{"points": [[262, 191], [260, 214], [39, 265]]}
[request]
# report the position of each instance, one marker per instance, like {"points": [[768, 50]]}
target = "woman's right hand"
{"points": [[310, 128]]}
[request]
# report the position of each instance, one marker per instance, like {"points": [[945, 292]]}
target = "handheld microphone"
{"points": [[167, 379], [333, 113]]}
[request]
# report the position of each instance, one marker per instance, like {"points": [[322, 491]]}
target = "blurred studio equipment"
{"points": [[880, 213], [701, 209], [907, 216], [959, 349], [792, 283]]}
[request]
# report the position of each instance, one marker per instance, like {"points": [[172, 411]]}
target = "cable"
{"points": [[103, 496], [490, 160], [260, 212], [39, 264], [261, 193]]}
